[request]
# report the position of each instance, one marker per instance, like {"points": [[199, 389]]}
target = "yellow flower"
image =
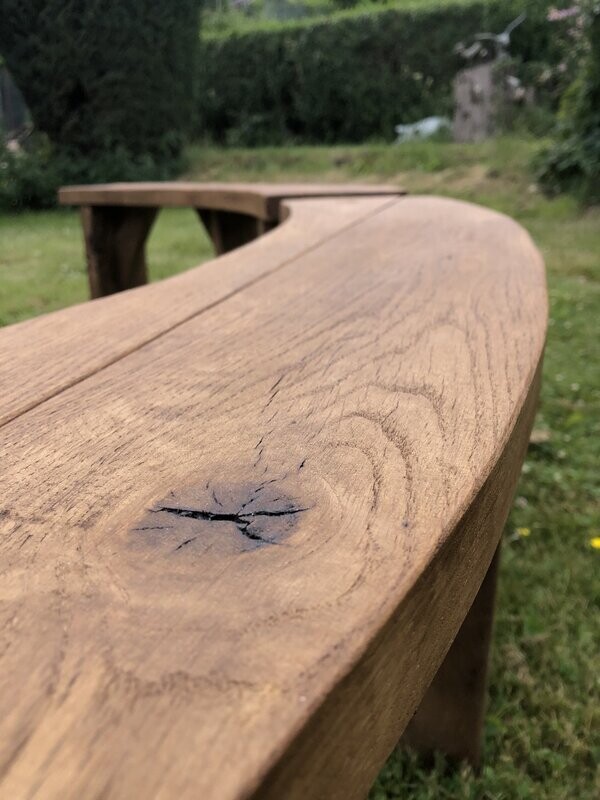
{"points": [[595, 542], [523, 531]]}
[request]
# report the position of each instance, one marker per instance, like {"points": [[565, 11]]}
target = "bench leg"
{"points": [[450, 716], [229, 230], [115, 244]]}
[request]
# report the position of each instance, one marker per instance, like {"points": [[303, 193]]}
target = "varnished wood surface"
{"points": [[117, 219], [261, 200], [42, 356], [234, 558], [360, 719]]}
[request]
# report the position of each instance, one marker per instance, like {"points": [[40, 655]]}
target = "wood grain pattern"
{"points": [[117, 219], [361, 718], [233, 560], [60, 349]]}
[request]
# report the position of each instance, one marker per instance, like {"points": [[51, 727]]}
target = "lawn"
{"points": [[542, 737]]}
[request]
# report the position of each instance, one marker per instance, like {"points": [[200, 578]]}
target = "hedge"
{"points": [[105, 76], [573, 162], [352, 76]]}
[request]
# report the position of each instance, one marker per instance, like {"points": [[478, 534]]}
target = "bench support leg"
{"points": [[115, 243], [450, 716], [229, 230]]}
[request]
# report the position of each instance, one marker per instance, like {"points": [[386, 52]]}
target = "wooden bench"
{"points": [[250, 514]]}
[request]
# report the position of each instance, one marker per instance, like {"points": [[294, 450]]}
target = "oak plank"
{"points": [[233, 560], [56, 350], [361, 718], [117, 218]]}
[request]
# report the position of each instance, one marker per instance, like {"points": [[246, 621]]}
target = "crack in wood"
{"points": [[242, 521]]}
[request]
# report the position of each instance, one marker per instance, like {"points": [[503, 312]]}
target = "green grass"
{"points": [[542, 729], [42, 264]]}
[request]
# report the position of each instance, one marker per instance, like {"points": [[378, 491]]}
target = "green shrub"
{"points": [[573, 162], [352, 76], [28, 179], [106, 78], [30, 176]]}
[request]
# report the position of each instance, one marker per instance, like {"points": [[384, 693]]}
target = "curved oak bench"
{"points": [[250, 514]]}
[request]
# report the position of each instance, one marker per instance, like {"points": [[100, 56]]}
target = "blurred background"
{"points": [[493, 101]]}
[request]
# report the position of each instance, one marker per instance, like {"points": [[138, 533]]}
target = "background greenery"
{"points": [[542, 738], [353, 75], [573, 162], [112, 88], [109, 85]]}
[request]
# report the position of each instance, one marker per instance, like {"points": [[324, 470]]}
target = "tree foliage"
{"points": [[573, 162], [105, 76], [353, 75]]}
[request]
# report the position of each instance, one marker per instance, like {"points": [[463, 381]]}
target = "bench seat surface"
{"points": [[57, 350], [242, 527]]}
